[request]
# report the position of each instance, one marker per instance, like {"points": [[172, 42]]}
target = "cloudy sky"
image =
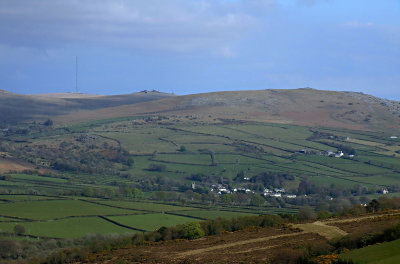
{"points": [[193, 46]]}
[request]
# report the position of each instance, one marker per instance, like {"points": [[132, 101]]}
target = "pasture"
{"points": [[58, 217], [181, 153], [385, 253]]}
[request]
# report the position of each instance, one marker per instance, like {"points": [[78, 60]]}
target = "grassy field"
{"points": [[146, 206], [213, 214], [385, 253], [68, 228], [251, 147], [58, 217], [151, 222], [46, 210], [219, 150]]}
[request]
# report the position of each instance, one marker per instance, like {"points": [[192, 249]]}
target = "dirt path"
{"points": [[238, 243], [322, 229]]}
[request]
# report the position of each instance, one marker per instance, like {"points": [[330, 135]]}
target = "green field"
{"points": [[385, 253], [213, 214], [146, 206], [68, 228], [213, 153], [64, 218], [46, 210], [151, 222]]}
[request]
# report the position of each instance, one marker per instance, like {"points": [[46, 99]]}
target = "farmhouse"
{"points": [[339, 154], [384, 191], [273, 194]]}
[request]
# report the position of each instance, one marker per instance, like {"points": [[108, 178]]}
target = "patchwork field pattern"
{"points": [[183, 147]]}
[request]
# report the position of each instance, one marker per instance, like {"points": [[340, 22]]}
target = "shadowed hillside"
{"points": [[16, 108]]}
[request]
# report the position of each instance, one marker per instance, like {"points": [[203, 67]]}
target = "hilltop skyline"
{"points": [[199, 46]]}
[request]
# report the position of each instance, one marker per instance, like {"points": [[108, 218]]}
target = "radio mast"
{"points": [[76, 74]]}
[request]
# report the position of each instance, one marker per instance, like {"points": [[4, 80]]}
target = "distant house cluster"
{"points": [[327, 153], [220, 188], [274, 192], [278, 192]]}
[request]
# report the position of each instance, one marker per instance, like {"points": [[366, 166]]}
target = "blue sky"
{"points": [[194, 46]]}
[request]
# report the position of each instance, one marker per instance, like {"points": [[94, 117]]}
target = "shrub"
{"points": [[157, 167], [19, 229], [192, 231], [138, 239], [182, 149], [306, 213]]}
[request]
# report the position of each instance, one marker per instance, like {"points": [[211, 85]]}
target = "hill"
{"points": [[299, 106], [15, 108], [303, 106]]}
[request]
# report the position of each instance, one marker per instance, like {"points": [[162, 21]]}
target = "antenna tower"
{"points": [[76, 74]]}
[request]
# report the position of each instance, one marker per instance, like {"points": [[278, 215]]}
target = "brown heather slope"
{"points": [[298, 106], [255, 245]]}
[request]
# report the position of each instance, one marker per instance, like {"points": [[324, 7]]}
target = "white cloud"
{"points": [[174, 25], [358, 24], [310, 2]]}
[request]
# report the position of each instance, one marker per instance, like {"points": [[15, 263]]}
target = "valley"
{"points": [[127, 171]]}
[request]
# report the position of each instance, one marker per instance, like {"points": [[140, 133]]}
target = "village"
{"points": [[273, 192]]}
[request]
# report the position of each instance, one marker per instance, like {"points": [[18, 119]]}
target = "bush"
{"points": [[8, 249], [138, 239], [192, 231], [157, 167], [182, 149], [306, 213], [19, 229]]}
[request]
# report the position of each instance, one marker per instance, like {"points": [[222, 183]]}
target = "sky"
{"points": [[197, 46]]}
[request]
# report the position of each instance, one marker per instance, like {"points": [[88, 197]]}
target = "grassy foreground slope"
{"points": [[385, 253]]}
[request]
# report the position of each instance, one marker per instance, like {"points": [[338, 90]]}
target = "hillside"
{"points": [[300, 106], [304, 106], [280, 244], [16, 108]]}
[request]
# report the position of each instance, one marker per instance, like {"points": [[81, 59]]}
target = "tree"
{"points": [[306, 213], [19, 229], [88, 192], [182, 149], [157, 167], [137, 193], [48, 122], [373, 206], [192, 231], [257, 200]]}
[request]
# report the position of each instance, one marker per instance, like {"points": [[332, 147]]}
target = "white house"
{"points": [[339, 154], [276, 195], [279, 190]]}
